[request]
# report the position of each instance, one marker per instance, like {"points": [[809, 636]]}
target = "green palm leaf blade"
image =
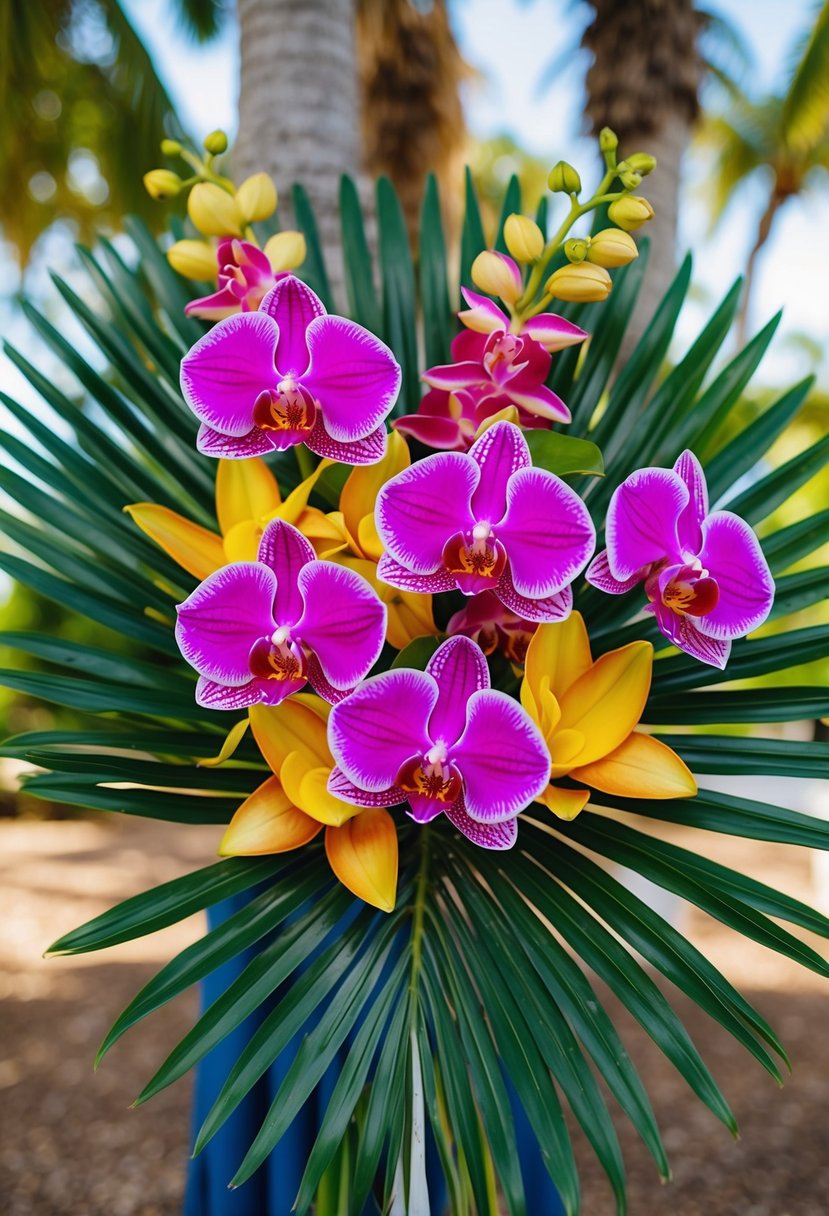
{"points": [[168, 287], [439, 323], [357, 261], [805, 113], [398, 282], [510, 206], [473, 240], [755, 657], [789, 545], [746, 757], [786, 704], [758, 501], [794, 592], [314, 267]]}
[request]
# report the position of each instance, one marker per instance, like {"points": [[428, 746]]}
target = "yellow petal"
{"points": [[267, 822], [245, 490], [307, 789], [565, 804], [285, 250], [565, 746], [194, 259], [368, 538], [359, 494], [200, 552], [641, 767], [559, 651], [293, 726], [325, 531], [508, 414], [241, 543], [363, 855], [607, 701], [256, 198], [234, 738], [297, 500]]}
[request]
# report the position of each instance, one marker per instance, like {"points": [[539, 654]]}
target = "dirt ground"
{"points": [[69, 1145]]}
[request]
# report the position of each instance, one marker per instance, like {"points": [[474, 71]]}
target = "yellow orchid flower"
{"points": [[293, 805], [587, 713], [247, 498]]}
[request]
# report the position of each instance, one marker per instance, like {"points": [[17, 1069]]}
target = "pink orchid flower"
{"points": [[486, 621], [444, 741], [705, 574], [485, 520], [258, 631], [287, 374], [245, 278]]}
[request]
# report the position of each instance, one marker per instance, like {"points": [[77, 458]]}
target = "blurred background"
{"points": [[733, 100]]}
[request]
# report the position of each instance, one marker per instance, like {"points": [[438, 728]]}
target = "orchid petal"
{"points": [[422, 808], [219, 622], [211, 695], [381, 725], [340, 786], [243, 492], [228, 447], [598, 575], [560, 653], [322, 685], [732, 555], [642, 520], [499, 452], [367, 450], [459, 668], [540, 401], [683, 631], [344, 622], [395, 575], [607, 700], [298, 725], [501, 756], [267, 822], [197, 550], [548, 609], [353, 375], [227, 369], [553, 332], [641, 767], [483, 315], [307, 788], [215, 307], [422, 507], [501, 835], [452, 376], [293, 306], [547, 532], [362, 485], [285, 551], [564, 803], [689, 524], [443, 434], [409, 614], [363, 855]]}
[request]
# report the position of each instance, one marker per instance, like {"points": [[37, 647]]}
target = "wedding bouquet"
{"points": [[433, 662]]}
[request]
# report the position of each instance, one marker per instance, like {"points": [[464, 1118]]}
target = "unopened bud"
{"points": [[642, 163], [630, 213], [524, 239], [215, 143], [214, 211], [497, 275], [582, 284], [170, 147], [256, 198], [285, 251], [612, 247], [193, 259], [575, 250], [608, 140], [564, 179], [629, 179], [162, 183]]}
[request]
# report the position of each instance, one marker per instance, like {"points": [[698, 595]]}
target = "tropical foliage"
{"points": [[482, 976]]}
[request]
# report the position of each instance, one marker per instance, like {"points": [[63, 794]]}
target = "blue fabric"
{"points": [[272, 1190]]}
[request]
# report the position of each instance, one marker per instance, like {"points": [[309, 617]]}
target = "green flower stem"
{"points": [[419, 911]]}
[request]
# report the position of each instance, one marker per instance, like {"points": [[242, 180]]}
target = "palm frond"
{"points": [[805, 112]]}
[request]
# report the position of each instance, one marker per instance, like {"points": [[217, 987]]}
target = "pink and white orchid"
{"points": [[245, 277]]}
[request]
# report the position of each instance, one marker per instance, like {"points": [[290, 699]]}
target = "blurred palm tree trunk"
{"points": [[643, 83], [299, 103]]}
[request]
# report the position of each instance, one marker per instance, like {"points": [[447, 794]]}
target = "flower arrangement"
{"points": [[394, 644]]}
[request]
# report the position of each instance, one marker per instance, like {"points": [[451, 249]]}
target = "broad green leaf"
{"points": [[397, 277], [314, 267], [564, 454], [439, 323], [364, 306]]}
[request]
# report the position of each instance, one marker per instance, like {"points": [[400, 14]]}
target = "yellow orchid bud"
{"points": [[642, 163], [215, 143], [524, 238], [581, 284], [285, 251], [628, 178], [612, 247], [193, 259], [214, 211], [256, 198], [630, 213], [608, 140], [576, 249], [170, 147], [492, 273], [564, 179], [162, 183]]}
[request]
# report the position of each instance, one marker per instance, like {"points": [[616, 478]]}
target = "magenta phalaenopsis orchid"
{"points": [[259, 631], [245, 278], [492, 368], [486, 520], [289, 373], [705, 574], [444, 741]]}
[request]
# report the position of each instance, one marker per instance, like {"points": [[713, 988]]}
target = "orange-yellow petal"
{"points": [[297, 500], [363, 855], [199, 551], [560, 652], [606, 702], [245, 490], [409, 612], [293, 726], [267, 822], [359, 494], [307, 788], [565, 746], [565, 804], [232, 741], [368, 538], [641, 767], [241, 542]]}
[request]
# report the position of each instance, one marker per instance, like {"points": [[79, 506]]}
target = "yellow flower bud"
{"points": [[628, 178], [215, 143], [524, 239], [608, 140], [170, 147], [214, 211], [630, 213], [493, 275], [256, 198], [612, 247], [575, 250], [564, 179], [581, 284], [162, 183], [193, 259], [642, 163], [285, 251]]}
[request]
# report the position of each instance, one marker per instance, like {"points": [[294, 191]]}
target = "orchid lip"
{"points": [[282, 659]]}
